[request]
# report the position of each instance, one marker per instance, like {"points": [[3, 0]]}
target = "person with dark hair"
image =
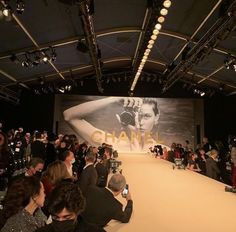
{"points": [[21, 206], [68, 158], [212, 169], [102, 206], [4, 161], [89, 175], [38, 148], [65, 203]]}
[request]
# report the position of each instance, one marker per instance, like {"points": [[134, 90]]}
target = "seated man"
{"points": [[64, 204], [102, 206]]}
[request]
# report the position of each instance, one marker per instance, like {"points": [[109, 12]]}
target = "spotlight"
{"points": [[68, 87], [61, 89], [164, 11], [167, 3], [158, 26], [202, 94], [20, 6], [27, 62], [161, 19], [6, 11], [45, 58]]}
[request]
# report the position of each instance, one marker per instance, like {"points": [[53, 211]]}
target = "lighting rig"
{"points": [[155, 19]]}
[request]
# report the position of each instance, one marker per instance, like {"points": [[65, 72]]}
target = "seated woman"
{"points": [[21, 207], [192, 164], [55, 173]]}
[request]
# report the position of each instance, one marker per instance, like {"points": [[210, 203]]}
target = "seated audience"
{"points": [[21, 205], [212, 169], [102, 205], [192, 164], [65, 203]]}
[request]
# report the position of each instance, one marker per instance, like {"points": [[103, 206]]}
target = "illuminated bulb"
{"points": [[161, 19], [155, 32], [158, 26], [151, 41], [144, 60], [167, 3], [146, 53], [164, 11], [150, 46], [144, 57], [153, 37], [148, 50]]}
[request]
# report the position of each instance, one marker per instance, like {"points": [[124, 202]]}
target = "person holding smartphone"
{"points": [[102, 205]]}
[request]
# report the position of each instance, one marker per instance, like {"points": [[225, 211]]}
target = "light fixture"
{"points": [[164, 11], [20, 6], [160, 19], [6, 11], [61, 89], [53, 54], [167, 3], [158, 26]]}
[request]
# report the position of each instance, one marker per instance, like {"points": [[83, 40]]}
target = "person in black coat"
{"points": [[102, 205], [89, 174], [212, 169], [38, 148]]}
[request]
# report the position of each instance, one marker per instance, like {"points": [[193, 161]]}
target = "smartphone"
{"points": [[125, 191]]}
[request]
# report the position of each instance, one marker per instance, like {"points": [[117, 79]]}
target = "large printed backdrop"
{"points": [[176, 122]]}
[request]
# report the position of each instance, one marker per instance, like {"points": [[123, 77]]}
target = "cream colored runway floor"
{"points": [[167, 200]]}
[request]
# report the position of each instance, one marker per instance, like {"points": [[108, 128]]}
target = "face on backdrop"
{"points": [[146, 118]]}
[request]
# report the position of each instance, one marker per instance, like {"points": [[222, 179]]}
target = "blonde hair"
{"points": [[56, 172]]}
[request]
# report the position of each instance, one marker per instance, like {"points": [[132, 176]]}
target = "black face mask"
{"points": [[38, 174], [64, 226]]}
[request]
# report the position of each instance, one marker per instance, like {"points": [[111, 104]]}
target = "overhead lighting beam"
{"points": [[153, 24], [197, 53], [90, 37]]}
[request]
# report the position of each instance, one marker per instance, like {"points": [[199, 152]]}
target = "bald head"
{"points": [[117, 183]]}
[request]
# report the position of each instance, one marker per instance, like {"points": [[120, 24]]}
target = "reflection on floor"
{"points": [[167, 200]]}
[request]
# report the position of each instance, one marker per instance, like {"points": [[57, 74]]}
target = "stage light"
{"points": [[68, 88], [202, 94], [155, 32], [151, 42], [158, 26], [161, 19], [153, 37], [6, 11], [45, 58], [167, 3], [20, 6], [61, 89], [164, 11], [149, 46]]}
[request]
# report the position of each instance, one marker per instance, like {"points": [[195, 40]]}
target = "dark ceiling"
{"points": [[195, 46]]}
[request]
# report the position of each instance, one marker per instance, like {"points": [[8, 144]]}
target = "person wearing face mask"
{"points": [[65, 203], [212, 169], [89, 174], [68, 158], [21, 206]]}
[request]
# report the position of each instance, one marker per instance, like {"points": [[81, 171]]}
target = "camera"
{"points": [[114, 165], [127, 117], [125, 191]]}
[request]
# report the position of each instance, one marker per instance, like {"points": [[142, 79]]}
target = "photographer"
{"points": [[102, 205]]}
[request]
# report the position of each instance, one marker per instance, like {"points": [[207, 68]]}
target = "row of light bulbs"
{"points": [[156, 30]]}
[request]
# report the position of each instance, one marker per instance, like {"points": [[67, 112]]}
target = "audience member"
{"points": [[65, 203], [68, 158], [192, 164], [212, 169], [38, 147], [89, 174], [54, 173], [102, 206], [21, 205]]}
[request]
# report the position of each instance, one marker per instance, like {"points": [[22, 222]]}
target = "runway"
{"points": [[167, 200]]}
